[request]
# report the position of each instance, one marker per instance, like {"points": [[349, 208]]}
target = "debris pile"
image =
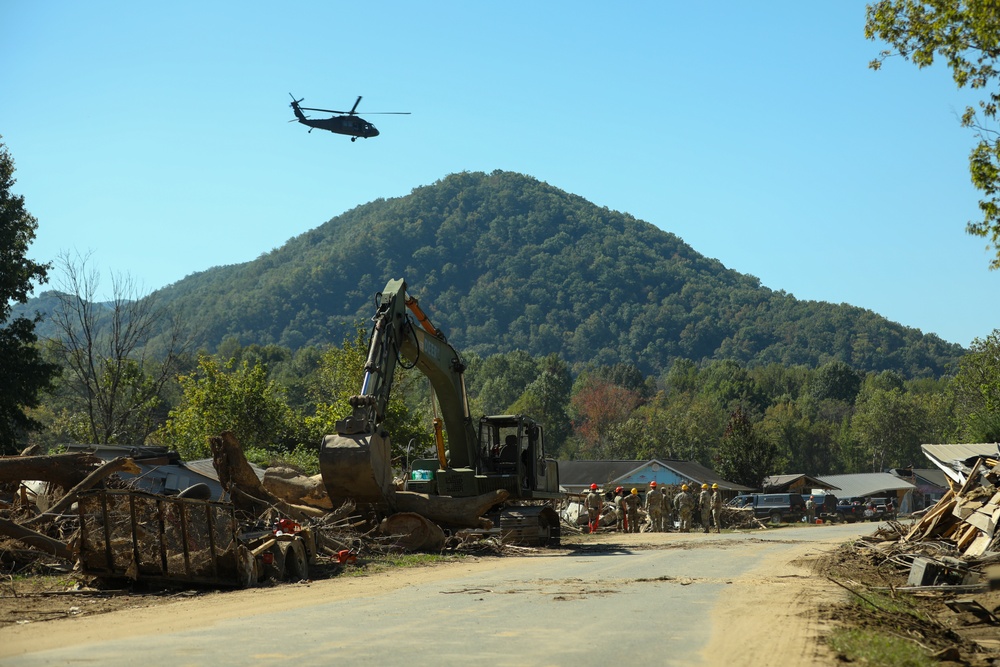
{"points": [[966, 516], [950, 555]]}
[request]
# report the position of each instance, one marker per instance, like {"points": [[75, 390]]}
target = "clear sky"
{"points": [[156, 134]]}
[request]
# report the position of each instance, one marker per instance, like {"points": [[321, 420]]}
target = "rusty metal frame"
{"points": [[189, 512]]}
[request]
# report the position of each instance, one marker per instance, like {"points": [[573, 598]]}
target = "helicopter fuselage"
{"points": [[352, 126]]}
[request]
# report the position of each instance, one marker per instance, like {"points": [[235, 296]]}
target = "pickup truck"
{"points": [[775, 507]]}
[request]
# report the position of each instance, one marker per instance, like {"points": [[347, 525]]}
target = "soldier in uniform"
{"points": [[631, 503], [654, 508], [717, 508], [705, 505], [593, 503], [619, 510], [684, 504], [668, 510]]}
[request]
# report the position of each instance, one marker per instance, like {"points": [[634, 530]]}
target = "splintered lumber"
{"points": [[120, 464], [296, 488], [35, 539], [929, 521], [459, 512], [413, 532], [242, 484], [66, 470]]}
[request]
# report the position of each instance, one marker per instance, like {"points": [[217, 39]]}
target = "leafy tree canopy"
{"points": [[966, 35], [24, 371]]}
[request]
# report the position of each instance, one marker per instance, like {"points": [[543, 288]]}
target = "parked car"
{"points": [[826, 505], [880, 508], [775, 507], [852, 509]]}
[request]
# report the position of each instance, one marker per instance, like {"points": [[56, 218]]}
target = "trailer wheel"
{"points": [[296, 563]]}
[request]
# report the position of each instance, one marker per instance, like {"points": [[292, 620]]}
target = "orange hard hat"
{"points": [[593, 487], [653, 484], [618, 489]]}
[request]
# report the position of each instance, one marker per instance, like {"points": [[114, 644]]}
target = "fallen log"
{"points": [[66, 470], [459, 512], [296, 488], [413, 532], [120, 464], [35, 539]]}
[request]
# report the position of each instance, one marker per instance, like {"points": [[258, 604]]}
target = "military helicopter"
{"points": [[348, 122]]}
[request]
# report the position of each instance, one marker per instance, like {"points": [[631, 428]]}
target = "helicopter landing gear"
{"points": [[354, 138]]}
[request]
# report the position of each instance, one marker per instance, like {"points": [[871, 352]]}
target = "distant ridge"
{"points": [[503, 261]]}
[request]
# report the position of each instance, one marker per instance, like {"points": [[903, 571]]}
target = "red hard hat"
{"points": [[653, 484], [618, 489], [593, 487]]}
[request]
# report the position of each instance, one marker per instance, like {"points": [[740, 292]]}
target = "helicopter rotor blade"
{"points": [[383, 113], [356, 103], [323, 110]]}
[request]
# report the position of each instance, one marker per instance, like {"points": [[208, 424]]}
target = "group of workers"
{"points": [[660, 508]]}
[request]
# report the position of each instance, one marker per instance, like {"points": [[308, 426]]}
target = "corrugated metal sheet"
{"points": [[945, 456], [866, 484]]}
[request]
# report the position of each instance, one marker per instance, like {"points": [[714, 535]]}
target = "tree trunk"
{"points": [[242, 483], [413, 532], [296, 488], [66, 470], [37, 540]]}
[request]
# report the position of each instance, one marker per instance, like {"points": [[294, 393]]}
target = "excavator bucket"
{"points": [[357, 467]]}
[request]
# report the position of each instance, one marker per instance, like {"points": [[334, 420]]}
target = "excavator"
{"points": [[496, 452]]}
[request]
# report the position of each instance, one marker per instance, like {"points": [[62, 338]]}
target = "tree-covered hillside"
{"points": [[503, 261]]}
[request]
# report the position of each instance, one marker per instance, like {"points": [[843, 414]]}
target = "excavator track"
{"points": [[533, 526]]}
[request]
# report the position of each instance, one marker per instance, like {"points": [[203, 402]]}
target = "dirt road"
{"points": [[745, 598]]}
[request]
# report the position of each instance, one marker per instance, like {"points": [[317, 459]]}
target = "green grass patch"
{"points": [[385, 562], [895, 606], [878, 650]]}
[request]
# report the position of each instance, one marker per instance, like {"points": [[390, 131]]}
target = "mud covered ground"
{"points": [[870, 580]]}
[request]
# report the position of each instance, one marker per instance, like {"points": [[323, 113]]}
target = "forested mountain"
{"points": [[503, 261]]}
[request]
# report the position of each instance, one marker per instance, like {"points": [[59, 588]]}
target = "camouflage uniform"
{"points": [[593, 504], [684, 504], [705, 505], [668, 511], [619, 513], [654, 507], [717, 510], [631, 503]]}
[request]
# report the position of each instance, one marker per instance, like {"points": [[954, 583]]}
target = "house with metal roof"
{"points": [[874, 484], [577, 476], [795, 483]]}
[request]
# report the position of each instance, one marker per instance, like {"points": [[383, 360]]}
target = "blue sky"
{"points": [[156, 135]]}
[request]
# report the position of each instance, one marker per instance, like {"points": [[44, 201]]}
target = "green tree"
{"points": [[976, 388], [745, 457], [225, 397], [546, 400], [339, 376], [835, 380], [24, 371], [887, 424], [966, 35]]}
